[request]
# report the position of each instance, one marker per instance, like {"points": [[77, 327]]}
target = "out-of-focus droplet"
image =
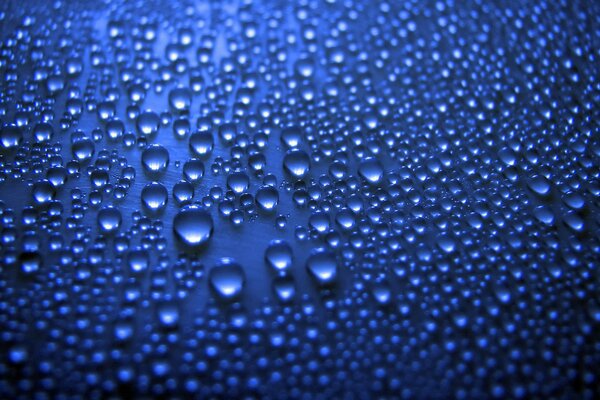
{"points": [[10, 136]]}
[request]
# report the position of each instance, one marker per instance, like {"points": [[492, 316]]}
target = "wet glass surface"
{"points": [[305, 199]]}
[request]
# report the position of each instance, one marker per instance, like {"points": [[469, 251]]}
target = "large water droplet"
{"points": [[109, 219], [201, 143], [321, 265], [291, 136], [227, 279], [193, 226], [154, 196], [155, 158], [296, 163], [180, 99], [279, 255], [371, 170], [147, 123], [267, 198], [238, 182], [10, 136]]}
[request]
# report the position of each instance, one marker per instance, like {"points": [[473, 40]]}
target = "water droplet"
{"points": [[154, 196], [168, 314], [183, 192], [539, 184], [43, 132], [322, 266], [109, 219], [43, 192], [18, 354], [296, 163], [193, 170], [147, 123], [227, 279], [371, 170], [83, 149], [138, 260], [193, 226], [267, 198], [284, 288], [238, 182], [10, 136], [155, 158], [180, 99], [279, 255], [201, 143], [291, 136]]}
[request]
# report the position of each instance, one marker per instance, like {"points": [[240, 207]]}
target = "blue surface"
{"points": [[401, 199]]}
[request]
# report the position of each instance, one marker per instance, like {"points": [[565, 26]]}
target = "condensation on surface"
{"points": [[305, 199]]}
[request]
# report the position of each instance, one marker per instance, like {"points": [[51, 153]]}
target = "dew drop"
{"points": [[10, 136], [296, 163], [267, 198], [371, 170], [147, 123], [321, 265], [155, 158], [154, 196], [109, 219], [278, 255], [227, 279], [193, 226]]}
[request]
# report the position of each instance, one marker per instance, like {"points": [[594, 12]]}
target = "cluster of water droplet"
{"points": [[375, 199]]}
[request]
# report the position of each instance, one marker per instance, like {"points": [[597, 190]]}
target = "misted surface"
{"points": [[304, 199]]}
